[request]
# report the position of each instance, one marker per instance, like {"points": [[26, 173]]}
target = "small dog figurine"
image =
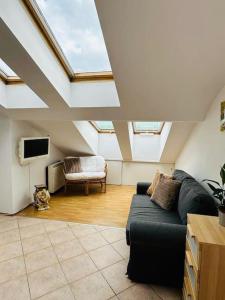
{"points": [[41, 198]]}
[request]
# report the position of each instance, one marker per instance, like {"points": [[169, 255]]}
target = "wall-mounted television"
{"points": [[31, 148]]}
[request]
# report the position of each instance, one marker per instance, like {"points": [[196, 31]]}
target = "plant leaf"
{"points": [[218, 191], [205, 180], [212, 188], [222, 174]]}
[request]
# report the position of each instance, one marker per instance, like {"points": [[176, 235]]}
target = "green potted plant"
{"points": [[219, 193]]}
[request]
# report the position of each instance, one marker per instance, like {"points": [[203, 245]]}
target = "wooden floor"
{"points": [[110, 208]]}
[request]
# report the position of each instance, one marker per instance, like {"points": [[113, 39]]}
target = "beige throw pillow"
{"points": [[166, 191], [155, 181]]}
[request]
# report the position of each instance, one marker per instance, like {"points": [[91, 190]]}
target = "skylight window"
{"points": [[6, 69], [76, 27], [148, 127], [103, 126]]}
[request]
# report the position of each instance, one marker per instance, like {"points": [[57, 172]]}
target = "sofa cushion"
{"points": [[143, 209], [193, 198], [92, 164], [85, 175]]}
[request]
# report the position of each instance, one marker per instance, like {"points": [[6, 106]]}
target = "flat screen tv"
{"points": [[33, 148]]}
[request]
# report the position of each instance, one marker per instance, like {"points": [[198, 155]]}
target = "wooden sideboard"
{"points": [[204, 275]]}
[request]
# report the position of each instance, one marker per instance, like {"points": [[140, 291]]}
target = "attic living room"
{"points": [[112, 142]]}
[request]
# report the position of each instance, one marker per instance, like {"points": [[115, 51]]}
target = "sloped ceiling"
{"points": [[66, 136], [167, 57]]}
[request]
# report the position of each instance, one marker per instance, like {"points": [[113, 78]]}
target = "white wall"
{"points": [[114, 175], [129, 173], [25, 177], [146, 147], [2, 94], [108, 146], [204, 151], [5, 165], [164, 136], [89, 133], [17, 182]]}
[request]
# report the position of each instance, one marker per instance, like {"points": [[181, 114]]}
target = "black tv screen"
{"points": [[35, 147]]}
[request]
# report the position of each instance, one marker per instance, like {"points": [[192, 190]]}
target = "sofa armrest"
{"points": [[156, 234], [142, 187]]}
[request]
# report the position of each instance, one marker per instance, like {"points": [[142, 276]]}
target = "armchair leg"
{"points": [[86, 189], [65, 188], [101, 186]]}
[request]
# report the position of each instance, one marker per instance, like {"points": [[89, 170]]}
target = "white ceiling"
{"points": [[165, 55], [167, 59]]}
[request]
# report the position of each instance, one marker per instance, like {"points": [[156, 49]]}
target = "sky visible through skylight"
{"points": [[147, 126], [104, 125], [6, 69], [76, 27]]}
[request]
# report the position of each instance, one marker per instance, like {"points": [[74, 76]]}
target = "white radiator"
{"points": [[55, 176]]}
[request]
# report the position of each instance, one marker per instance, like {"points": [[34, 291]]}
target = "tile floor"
{"points": [[54, 260]]}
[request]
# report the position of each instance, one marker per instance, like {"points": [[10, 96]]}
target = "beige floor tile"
{"points": [[46, 280], [139, 292], [104, 256], [5, 218], [113, 234], [31, 231], [8, 225], [9, 236], [36, 243], [167, 293], [10, 269], [23, 221], [81, 230], [11, 250], [122, 248], [92, 241], [63, 293], [40, 259], [114, 298], [59, 236], [54, 225], [115, 276], [68, 249], [101, 227], [92, 287], [16, 289], [78, 267]]}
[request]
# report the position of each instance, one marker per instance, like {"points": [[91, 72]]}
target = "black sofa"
{"points": [[157, 236]]}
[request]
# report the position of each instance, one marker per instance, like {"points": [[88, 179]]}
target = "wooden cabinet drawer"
{"points": [[193, 244], [191, 273], [187, 293]]}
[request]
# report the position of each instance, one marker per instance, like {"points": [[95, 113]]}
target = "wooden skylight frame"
{"points": [[99, 130], [135, 131], [46, 31]]}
